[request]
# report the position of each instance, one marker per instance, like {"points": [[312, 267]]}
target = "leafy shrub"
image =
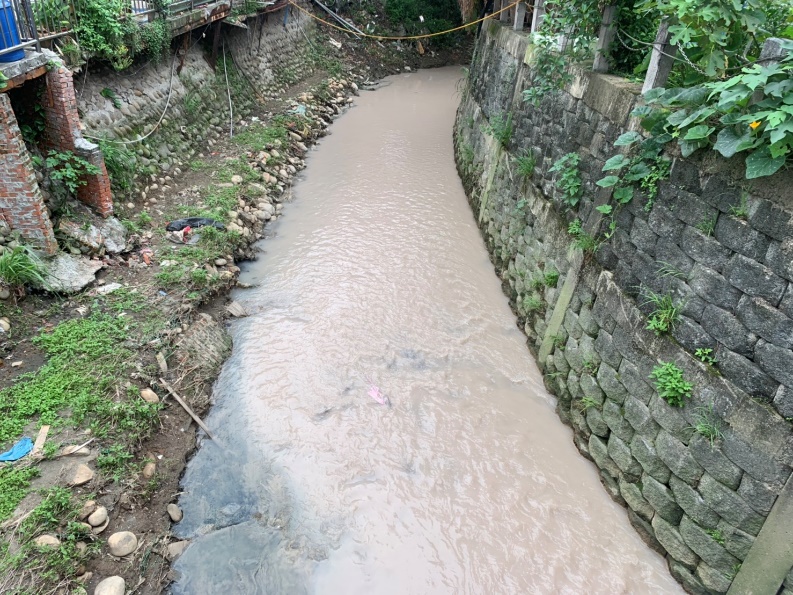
{"points": [[500, 128], [569, 179], [525, 163], [670, 384], [68, 168], [665, 314], [120, 164]]}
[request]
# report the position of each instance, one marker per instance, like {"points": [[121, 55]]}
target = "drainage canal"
{"points": [[377, 289]]}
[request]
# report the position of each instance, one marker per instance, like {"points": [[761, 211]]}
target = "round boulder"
{"points": [[113, 585], [122, 543]]}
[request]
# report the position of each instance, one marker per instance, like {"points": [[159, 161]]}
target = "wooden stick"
{"points": [[75, 450], [40, 440], [186, 407]]}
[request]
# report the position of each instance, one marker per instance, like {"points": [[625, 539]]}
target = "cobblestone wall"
{"points": [[700, 503]]}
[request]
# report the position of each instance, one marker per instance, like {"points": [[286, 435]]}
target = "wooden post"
{"points": [[520, 16], [661, 60], [538, 15], [605, 39]]}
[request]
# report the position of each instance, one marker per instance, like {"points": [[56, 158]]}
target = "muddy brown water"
{"points": [[468, 482]]}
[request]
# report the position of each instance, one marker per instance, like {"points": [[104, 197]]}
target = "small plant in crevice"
{"points": [[671, 385], [120, 164], [569, 179], [591, 367], [108, 93], [559, 342], [583, 241], [707, 225], [588, 403], [741, 211], [531, 303], [525, 163], [705, 355], [708, 425], [551, 278], [665, 313], [716, 535], [500, 128], [669, 270]]}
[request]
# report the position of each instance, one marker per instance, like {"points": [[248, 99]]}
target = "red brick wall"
{"points": [[21, 204], [63, 133]]}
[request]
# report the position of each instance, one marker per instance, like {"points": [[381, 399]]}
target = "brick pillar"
{"points": [[21, 203], [63, 134]]}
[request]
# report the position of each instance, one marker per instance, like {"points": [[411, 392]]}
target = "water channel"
{"points": [[468, 482]]}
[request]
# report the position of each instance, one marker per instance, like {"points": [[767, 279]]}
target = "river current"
{"points": [[381, 425]]}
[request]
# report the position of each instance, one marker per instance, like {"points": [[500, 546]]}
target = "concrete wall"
{"points": [[701, 505]]}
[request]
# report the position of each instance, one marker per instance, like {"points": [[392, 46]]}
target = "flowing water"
{"points": [[467, 482]]}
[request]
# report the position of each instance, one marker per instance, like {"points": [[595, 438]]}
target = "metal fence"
{"points": [[29, 23]]}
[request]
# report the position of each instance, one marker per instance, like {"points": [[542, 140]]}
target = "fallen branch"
{"points": [[186, 407], [74, 450]]}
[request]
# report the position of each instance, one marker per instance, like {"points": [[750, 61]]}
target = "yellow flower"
{"points": [[754, 125]]}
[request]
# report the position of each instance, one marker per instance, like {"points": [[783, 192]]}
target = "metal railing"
{"points": [[29, 23]]}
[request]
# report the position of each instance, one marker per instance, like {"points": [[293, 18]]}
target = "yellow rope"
{"points": [[388, 38]]}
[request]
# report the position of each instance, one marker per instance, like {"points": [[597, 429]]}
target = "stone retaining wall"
{"points": [[701, 505], [270, 54]]}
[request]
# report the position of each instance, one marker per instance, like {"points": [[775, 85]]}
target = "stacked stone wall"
{"points": [[701, 503]]}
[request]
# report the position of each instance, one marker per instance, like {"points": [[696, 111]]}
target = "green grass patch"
{"points": [[14, 485]]}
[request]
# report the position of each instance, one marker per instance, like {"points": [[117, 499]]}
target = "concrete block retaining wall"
{"points": [[703, 506]]}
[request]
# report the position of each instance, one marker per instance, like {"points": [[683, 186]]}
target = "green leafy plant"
{"points": [[569, 179], [19, 266], [711, 35], [525, 163], [665, 313], [591, 367], [670, 384], [500, 128], [155, 37], [120, 165], [705, 354], [108, 93], [708, 424], [3, 81], [532, 303], [583, 241], [551, 278], [114, 460], [565, 36], [69, 169]]}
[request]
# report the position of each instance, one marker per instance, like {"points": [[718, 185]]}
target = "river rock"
{"points": [[47, 541], [174, 512], [113, 585], [5, 325], [82, 475], [221, 262], [98, 517], [122, 543], [149, 396], [149, 469], [236, 180], [75, 449], [84, 577], [175, 549], [86, 510], [4, 293]]}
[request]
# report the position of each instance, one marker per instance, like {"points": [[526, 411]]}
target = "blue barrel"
{"points": [[8, 33]]}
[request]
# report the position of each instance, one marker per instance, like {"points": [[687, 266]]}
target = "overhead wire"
{"points": [[402, 37]]}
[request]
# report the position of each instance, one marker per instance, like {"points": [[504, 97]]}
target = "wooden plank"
{"points": [[662, 59], [605, 39], [38, 446]]}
